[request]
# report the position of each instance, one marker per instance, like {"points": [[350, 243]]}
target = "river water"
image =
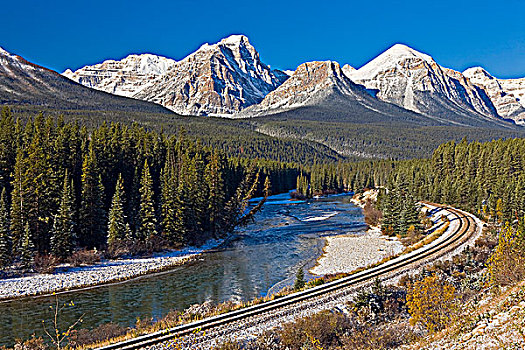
{"points": [[285, 236]]}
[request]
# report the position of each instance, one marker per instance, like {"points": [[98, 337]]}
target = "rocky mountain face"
{"points": [[413, 80], [125, 77], [310, 83], [218, 79], [23, 83], [320, 91], [507, 95]]}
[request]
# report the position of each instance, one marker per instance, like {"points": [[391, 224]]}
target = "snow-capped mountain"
{"points": [[413, 80], [348, 69], [25, 83], [217, 79], [515, 87], [507, 95], [125, 77]]}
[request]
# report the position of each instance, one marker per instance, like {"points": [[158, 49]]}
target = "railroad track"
{"points": [[424, 254]]}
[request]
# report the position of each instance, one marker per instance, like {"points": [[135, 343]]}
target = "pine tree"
{"points": [[64, 225], [117, 226], [5, 233], [299, 279], [18, 197], [147, 220], [27, 250], [170, 204], [92, 222]]}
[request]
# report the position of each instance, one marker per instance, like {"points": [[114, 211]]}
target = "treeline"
{"points": [[65, 186]]}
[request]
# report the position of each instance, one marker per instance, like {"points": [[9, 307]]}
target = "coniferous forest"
{"points": [[120, 188], [487, 179]]}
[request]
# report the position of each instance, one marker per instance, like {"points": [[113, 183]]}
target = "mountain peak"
{"points": [[311, 83], [235, 40], [476, 71], [401, 50]]}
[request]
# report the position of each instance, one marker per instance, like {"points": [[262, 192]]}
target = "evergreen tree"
{"points": [[92, 214], [117, 226], [18, 210], [147, 220], [64, 225], [5, 233], [27, 250], [299, 279], [215, 181]]}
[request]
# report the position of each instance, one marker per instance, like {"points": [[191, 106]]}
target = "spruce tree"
{"points": [[27, 250], [117, 226], [64, 225], [170, 205], [147, 220], [299, 279], [92, 222], [18, 197], [5, 233]]}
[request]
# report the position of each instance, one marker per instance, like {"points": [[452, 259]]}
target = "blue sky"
{"points": [[458, 34]]}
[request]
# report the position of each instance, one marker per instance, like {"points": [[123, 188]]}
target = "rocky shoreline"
{"points": [[105, 272]]}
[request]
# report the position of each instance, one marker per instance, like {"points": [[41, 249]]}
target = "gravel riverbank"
{"points": [[108, 271], [346, 253]]}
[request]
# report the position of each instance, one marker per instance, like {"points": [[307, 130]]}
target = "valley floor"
{"points": [[109, 271]]}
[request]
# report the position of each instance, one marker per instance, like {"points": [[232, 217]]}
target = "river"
{"points": [[285, 236]]}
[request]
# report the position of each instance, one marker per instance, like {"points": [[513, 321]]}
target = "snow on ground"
{"points": [[345, 253], [105, 272]]}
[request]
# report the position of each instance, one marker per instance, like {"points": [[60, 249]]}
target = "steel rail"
{"points": [[460, 233]]}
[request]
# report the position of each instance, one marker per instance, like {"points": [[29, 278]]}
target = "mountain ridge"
{"points": [[24, 83]]}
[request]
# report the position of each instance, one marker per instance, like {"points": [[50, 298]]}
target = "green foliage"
{"points": [[60, 177], [92, 212], [27, 254], [299, 279], [147, 227], [117, 226], [62, 233], [5, 233]]}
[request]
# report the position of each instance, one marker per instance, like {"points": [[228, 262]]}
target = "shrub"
{"points": [[45, 263], [84, 257], [322, 330], [371, 213], [506, 264], [99, 334], [431, 302], [31, 344]]}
